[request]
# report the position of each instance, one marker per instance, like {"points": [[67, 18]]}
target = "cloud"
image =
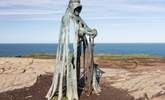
{"points": [[27, 2], [28, 12], [31, 9], [92, 9], [124, 9], [139, 8]]}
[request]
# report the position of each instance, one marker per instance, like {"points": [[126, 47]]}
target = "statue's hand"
{"points": [[94, 31]]}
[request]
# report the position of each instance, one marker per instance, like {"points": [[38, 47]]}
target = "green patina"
{"points": [[69, 72]]}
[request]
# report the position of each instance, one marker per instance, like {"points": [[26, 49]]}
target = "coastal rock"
{"points": [[142, 82], [16, 73], [141, 85], [15, 81]]}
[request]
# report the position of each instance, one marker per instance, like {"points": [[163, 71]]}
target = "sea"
{"points": [[100, 48]]}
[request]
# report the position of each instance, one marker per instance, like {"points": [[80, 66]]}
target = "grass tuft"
{"points": [[39, 56]]}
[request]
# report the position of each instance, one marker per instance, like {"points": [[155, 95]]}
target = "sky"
{"points": [[117, 21]]}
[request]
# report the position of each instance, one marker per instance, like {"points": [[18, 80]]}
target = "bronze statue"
{"points": [[70, 72]]}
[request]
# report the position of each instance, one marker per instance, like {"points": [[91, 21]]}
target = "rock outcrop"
{"points": [[141, 85], [18, 73], [143, 82]]}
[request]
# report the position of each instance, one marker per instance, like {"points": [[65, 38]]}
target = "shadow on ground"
{"points": [[40, 88]]}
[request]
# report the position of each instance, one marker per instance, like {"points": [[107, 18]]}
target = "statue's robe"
{"points": [[67, 68]]}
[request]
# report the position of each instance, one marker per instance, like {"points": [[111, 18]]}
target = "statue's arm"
{"points": [[84, 25], [85, 29]]}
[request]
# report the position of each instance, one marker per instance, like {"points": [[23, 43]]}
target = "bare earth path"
{"points": [[29, 79]]}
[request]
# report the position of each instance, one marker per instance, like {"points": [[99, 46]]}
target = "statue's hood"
{"points": [[73, 4]]}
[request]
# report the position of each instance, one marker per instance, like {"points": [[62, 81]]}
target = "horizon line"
{"points": [[97, 43]]}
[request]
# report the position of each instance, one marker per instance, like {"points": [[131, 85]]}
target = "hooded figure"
{"points": [[67, 69], [75, 5]]}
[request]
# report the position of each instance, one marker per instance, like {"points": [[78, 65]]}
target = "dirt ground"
{"points": [[39, 90], [124, 79]]}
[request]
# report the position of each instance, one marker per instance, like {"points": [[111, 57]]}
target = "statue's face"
{"points": [[77, 11]]}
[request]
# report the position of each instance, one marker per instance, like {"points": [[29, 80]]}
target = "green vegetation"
{"points": [[127, 56], [112, 56], [39, 56], [56, 98]]}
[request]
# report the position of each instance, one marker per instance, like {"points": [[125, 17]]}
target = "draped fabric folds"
{"points": [[67, 70]]}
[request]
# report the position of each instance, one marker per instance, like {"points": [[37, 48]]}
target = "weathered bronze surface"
{"points": [[69, 74]]}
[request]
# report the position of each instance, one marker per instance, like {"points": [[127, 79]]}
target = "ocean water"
{"points": [[113, 48]]}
